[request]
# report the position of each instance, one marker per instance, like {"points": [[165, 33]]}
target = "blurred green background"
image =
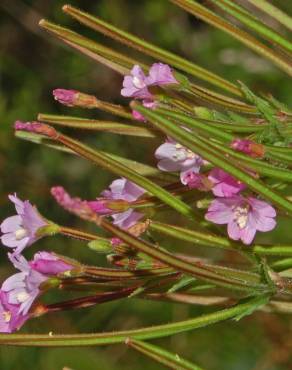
{"points": [[32, 63]]}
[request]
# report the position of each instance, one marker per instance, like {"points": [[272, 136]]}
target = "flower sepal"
{"points": [[48, 230]]}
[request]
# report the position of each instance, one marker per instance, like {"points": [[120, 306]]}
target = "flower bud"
{"points": [[74, 98], [248, 147]]}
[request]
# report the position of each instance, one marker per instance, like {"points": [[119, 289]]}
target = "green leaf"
{"points": [[215, 241], [104, 55], [98, 125], [141, 168], [250, 310], [253, 23], [184, 282], [210, 17], [273, 12], [150, 49]]}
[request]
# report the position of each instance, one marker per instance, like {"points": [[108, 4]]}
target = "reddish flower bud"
{"points": [[248, 147]]}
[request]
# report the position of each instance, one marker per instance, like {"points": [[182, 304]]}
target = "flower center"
{"points": [[241, 216], [6, 316], [21, 233], [182, 153], [138, 83], [22, 296]]}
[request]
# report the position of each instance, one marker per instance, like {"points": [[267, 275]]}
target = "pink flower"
{"points": [[195, 180], [10, 318], [224, 184], [65, 97], [243, 216], [123, 189], [136, 85], [20, 231], [49, 264], [22, 288], [174, 157]]}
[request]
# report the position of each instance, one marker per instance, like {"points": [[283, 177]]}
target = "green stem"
{"points": [[198, 270], [78, 234], [159, 331]]}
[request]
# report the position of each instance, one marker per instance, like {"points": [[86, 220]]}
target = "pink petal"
{"points": [[219, 217], [9, 240], [264, 208], [233, 230], [11, 224], [247, 235], [19, 204], [262, 223], [160, 74]]}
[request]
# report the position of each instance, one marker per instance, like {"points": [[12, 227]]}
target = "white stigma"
{"points": [[6, 316], [22, 296], [137, 82], [21, 233], [241, 216]]}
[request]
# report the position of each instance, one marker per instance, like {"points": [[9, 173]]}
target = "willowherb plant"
{"points": [[224, 159]]}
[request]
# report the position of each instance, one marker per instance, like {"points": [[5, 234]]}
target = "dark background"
{"points": [[32, 64]]}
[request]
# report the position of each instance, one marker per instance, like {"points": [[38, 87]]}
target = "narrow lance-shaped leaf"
{"points": [[184, 138], [159, 331], [261, 167], [150, 49], [253, 23], [117, 61], [115, 167], [172, 360], [141, 168], [196, 124], [98, 125], [213, 97], [205, 14], [123, 64], [273, 12], [214, 241]]}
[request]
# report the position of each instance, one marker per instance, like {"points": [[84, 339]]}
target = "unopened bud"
{"points": [[249, 147], [74, 98], [37, 128]]}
